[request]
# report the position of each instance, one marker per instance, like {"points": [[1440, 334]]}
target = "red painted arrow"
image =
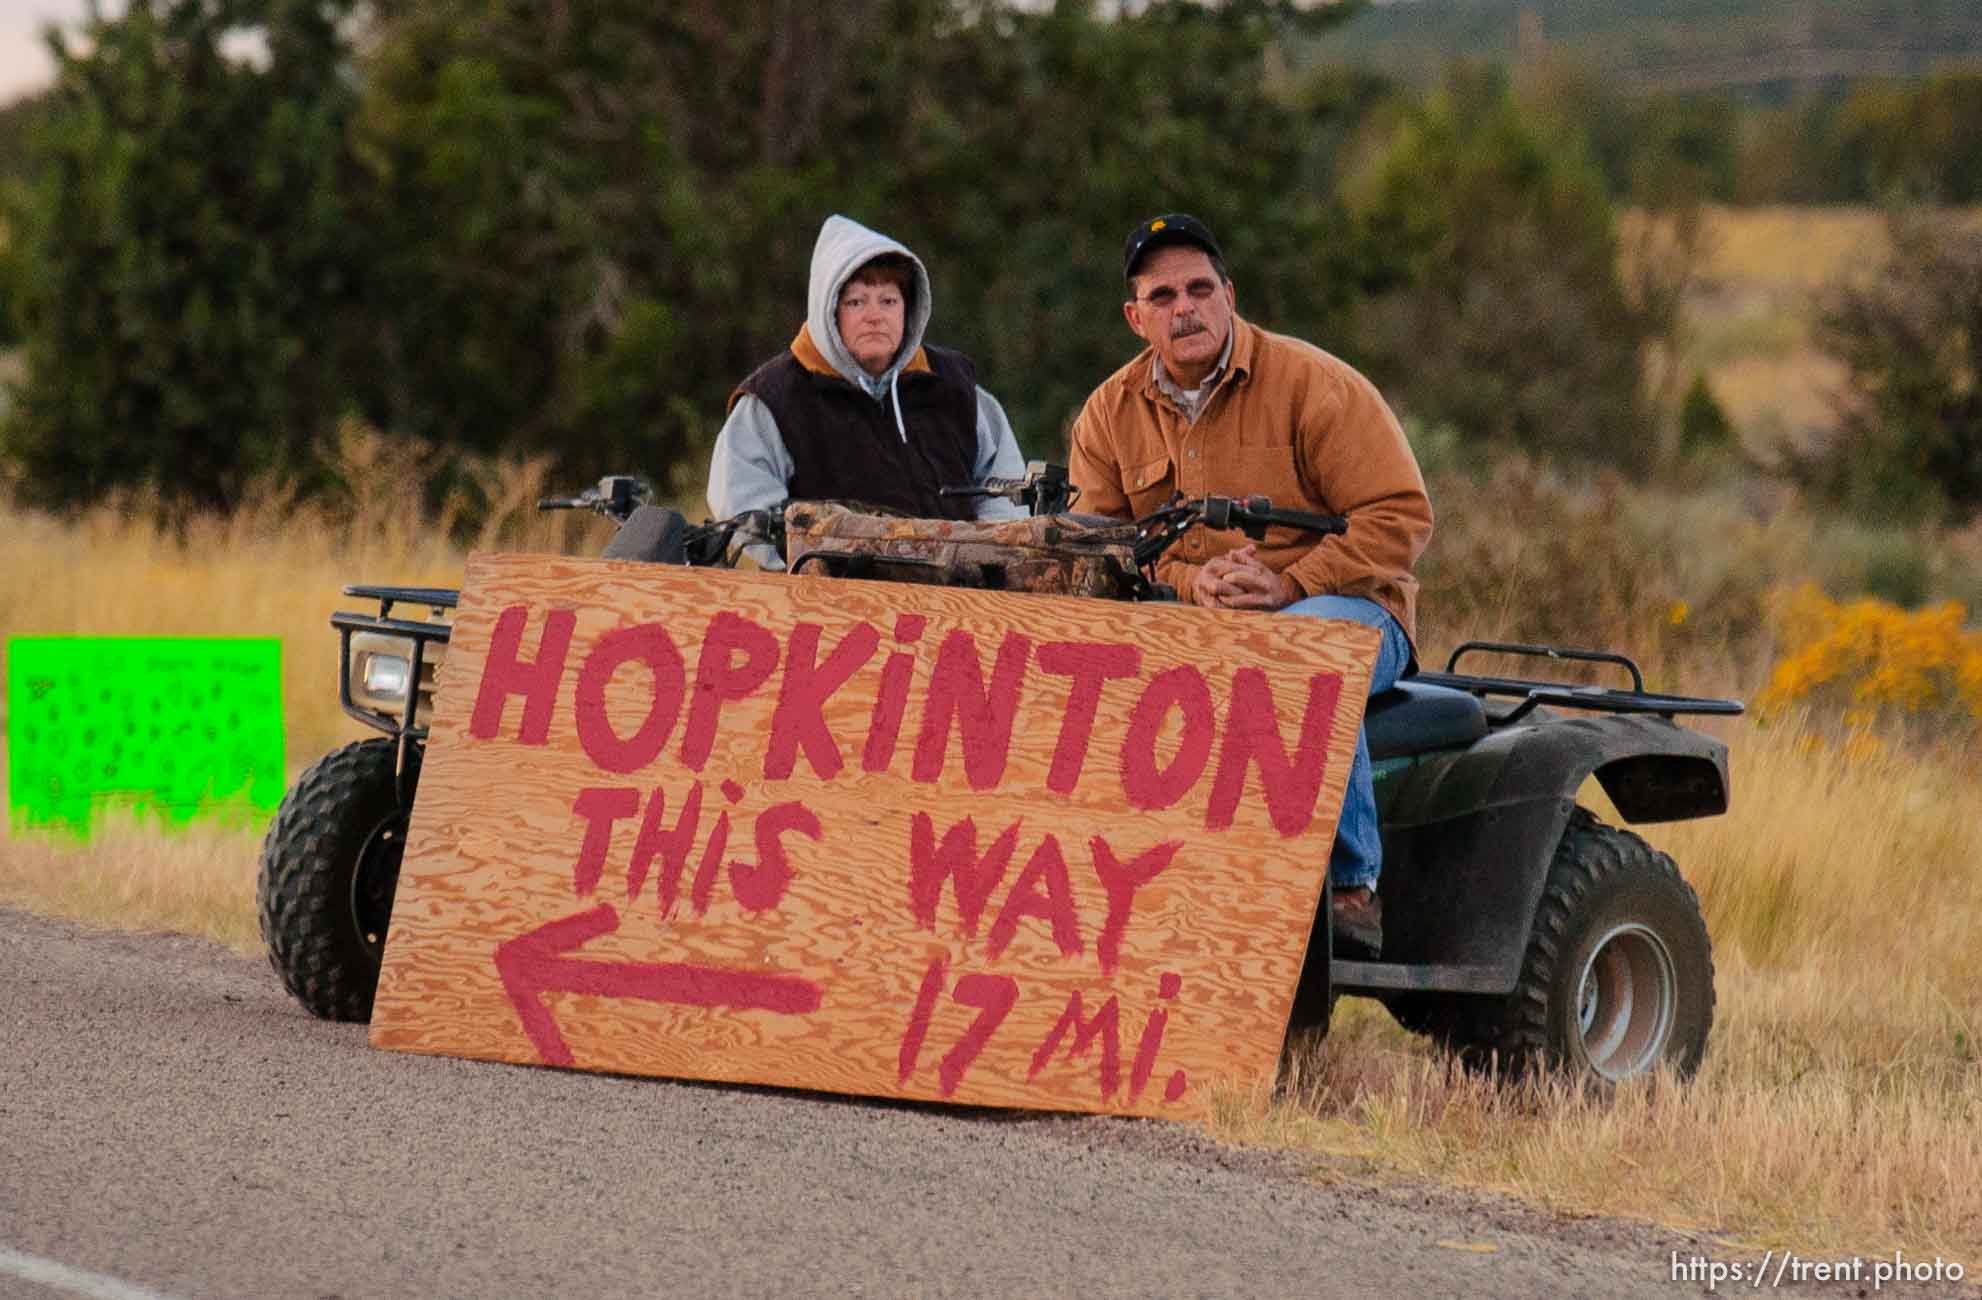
{"points": [[536, 963]]}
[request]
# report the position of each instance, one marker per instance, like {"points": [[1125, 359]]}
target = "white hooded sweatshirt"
{"points": [[752, 467]]}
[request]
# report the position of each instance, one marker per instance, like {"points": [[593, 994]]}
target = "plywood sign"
{"points": [[863, 837]]}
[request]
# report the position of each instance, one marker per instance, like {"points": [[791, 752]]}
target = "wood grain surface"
{"points": [[942, 925]]}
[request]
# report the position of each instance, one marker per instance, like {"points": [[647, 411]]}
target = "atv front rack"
{"points": [[1533, 694]]}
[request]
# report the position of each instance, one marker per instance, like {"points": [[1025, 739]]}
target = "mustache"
{"points": [[1184, 329]]}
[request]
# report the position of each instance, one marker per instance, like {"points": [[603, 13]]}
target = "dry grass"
{"points": [[1840, 1106], [1800, 247], [1841, 1101], [1770, 398], [198, 881], [1750, 314], [1751, 317], [274, 568], [1839, 1109]]}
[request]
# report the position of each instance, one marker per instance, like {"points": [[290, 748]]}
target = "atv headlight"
{"points": [[385, 676], [379, 674]]}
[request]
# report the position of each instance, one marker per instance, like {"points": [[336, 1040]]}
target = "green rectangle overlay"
{"points": [[172, 727]]}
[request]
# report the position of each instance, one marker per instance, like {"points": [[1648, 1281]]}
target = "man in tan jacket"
{"points": [[1217, 406]]}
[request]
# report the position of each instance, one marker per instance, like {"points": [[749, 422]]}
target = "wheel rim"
{"points": [[1625, 1002], [375, 880]]}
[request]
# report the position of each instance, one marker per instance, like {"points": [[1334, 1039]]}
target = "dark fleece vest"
{"points": [[844, 446]]}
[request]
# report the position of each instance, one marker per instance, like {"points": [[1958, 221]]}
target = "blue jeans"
{"points": [[1358, 855]]}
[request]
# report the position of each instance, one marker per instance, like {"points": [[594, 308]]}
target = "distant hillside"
{"points": [[1765, 47]]}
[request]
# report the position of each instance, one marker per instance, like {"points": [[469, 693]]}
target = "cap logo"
{"points": [[1155, 226]]}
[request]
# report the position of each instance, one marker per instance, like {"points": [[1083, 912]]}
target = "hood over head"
{"points": [[844, 246]]}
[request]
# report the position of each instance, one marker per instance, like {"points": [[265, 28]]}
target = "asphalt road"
{"points": [[172, 1125]]}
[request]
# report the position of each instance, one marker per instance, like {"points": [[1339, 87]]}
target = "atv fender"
{"points": [[1468, 839]]}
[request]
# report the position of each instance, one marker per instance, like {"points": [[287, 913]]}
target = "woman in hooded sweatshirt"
{"points": [[858, 408]]}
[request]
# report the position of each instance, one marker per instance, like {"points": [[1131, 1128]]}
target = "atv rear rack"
{"points": [[1533, 694]]}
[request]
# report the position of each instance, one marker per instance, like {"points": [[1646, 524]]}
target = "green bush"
{"points": [[1504, 314], [569, 230], [1703, 426], [184, 260], [1681, 580], [1910, 444]]}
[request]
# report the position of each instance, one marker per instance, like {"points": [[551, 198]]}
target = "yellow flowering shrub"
{"points": [[1876, 660]]}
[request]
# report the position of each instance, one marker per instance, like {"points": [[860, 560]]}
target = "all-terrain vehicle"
{"points": [[1518, 928]]}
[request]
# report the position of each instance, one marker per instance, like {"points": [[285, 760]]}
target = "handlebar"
{"points": [[1253, 515], [1043, 490], [616, 496], [709, 544]]}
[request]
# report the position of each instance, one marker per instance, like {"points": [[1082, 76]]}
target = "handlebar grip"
{"points": [[989, 487], [1256, 512], [1235, 512], [1302, 519]]}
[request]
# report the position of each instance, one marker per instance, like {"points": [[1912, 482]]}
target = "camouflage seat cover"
{"points": [[1069, 555]]}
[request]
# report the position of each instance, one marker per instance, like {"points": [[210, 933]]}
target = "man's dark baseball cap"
{"points": [[1170, 228]]}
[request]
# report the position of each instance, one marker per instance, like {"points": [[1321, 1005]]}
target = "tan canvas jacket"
{"points": [[1286, 419]]}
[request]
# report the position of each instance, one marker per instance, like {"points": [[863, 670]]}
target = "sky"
{"points": [[24, 63]]}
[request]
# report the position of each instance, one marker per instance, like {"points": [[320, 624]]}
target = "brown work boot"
{"points": [[1358, 920]]}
